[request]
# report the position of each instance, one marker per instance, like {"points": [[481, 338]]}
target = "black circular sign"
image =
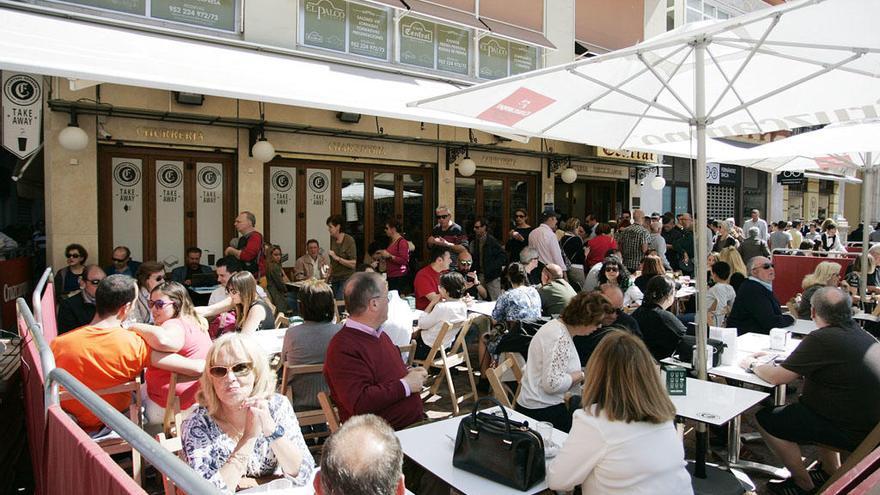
{"points": [[22, 89], [282, 181], [169, 176], [126, 174], [209, 177], [319, 182]]}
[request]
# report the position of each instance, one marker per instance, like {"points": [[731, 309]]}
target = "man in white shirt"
{"points": [[543, 240], [757, 221], [227, 266]]}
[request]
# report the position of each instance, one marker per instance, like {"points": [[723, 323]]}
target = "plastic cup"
{"points": [[545, 429]]}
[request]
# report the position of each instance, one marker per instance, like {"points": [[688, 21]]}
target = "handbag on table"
{"points": [[498, 448]]}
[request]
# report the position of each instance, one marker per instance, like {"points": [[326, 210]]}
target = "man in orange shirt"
{"points": [[104, 354]]}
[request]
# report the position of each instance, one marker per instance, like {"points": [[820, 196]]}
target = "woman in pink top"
{"points": [[396, 256], [180, 330], [599, 245]]}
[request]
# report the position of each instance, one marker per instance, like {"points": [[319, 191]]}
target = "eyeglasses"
{"points": [[123, 260], [240, 369], [159, 304], [767, 266], [519, 216], [95, 281], [611, 269], [465, 262], [478, 227], [441, 217], [232, 291], [74, 255]]}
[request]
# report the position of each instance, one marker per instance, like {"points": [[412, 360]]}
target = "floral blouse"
{"points": [[207, 447], [521, 303]]}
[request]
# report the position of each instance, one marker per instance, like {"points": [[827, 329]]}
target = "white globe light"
{"points": [[569, 175], [658, 183], [263, 151], [467, 167], [73, 139]]}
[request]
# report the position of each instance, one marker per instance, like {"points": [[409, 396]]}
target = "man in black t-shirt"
{"points": [[840, 403]]}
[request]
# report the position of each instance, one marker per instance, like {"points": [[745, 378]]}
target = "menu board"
{"points": [[368, 31], [523, 58], [417, 42], [453, 49], [324, 24], [494, 54], [215, 14], [137, 7]]}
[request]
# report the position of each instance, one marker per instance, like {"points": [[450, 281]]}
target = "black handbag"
{"points": [[685, 349], [499, 449]]}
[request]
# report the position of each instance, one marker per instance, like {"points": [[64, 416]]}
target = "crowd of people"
{"points": [[601, 298]]}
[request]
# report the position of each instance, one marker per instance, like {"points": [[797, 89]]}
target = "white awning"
{"points": [[53, 46]]}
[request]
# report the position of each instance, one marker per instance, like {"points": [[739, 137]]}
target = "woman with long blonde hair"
{"points": [[826, 274], [623, 441], [738, 270], [251, 312]]}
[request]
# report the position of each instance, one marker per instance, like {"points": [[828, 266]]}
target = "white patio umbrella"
{"points": [[842, 147], [801, 63]]}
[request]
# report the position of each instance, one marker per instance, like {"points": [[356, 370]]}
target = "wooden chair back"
{"points": [[311, 417], [444, 362], [175, 446], [408, 352], [281, 321], [868, 445], [331, 415], [501, 391]]}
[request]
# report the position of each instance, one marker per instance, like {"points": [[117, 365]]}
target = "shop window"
{"points": [[219, 15]]}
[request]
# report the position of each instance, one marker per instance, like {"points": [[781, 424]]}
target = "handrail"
{"points": [[38, 294], [166, 462], [182, 475]]}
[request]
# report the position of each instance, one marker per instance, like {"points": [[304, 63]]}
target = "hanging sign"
{"points": [[318, 205], [713, 173], [127, 205], [170, 211], [282, 210], [209, 210], [788, 178], [728, 175], [22, 103]]}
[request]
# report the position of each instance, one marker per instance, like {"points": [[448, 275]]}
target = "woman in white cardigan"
{"points": [[553, 367], [623, 440], [448, 308]]}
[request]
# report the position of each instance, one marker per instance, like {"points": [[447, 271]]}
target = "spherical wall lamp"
{"points": [[569, 175], [73, 138], [467, 167], [658, 182], [263, 150]]}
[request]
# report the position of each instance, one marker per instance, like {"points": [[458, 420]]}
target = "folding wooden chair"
{"points": [[408, 352], [175, 446], [281, 321], [502, 392], [311, 417], [331, 415], [871, 442], [118, 445], [444, 362]]}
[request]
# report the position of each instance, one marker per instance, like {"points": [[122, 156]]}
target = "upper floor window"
{"points": [[345, 27], [699, 10], [219, 15]]}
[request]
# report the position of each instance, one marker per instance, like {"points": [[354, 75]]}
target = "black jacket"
{"points": [[74, 312], [756, 309], [495, 258], [661, 330]]}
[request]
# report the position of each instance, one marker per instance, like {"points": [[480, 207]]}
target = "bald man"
{"points": [[362, 458], [555, 291]]}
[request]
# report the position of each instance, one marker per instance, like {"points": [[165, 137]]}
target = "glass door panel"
{"points": [[465, 200], [414, 211], [383, 206], [352, 189]]}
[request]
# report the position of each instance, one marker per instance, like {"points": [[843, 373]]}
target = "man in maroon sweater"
{"points": [[363, 367]]}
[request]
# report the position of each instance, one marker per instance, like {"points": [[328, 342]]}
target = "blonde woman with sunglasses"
{"points": [[243, 432], [178, 329]]}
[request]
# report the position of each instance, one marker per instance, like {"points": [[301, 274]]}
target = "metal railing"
{"points": [[169, 464]]}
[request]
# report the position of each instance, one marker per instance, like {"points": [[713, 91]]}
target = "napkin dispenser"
{"points": [[728, 336]]}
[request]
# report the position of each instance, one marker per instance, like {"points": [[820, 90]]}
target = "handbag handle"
{"points": [[495, 402]]}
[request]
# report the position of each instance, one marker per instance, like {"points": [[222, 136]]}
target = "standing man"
{"points": [[342, 253], [312, 265], [489, 258], [633, 241], [657, 242], [448, 234], [796, 237], [122, 263], [840, 403], [780, 239], [543, 240], [192, 266], [363, 368], [752, 246], [671, 232], [427, 282], [79, 309], [684, 245], [518, 237], [590, 226], [755, 308], [757, 221], [249, 246]]}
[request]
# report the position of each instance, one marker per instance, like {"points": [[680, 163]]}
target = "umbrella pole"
{"points": [[867, 185], [699, 226]]}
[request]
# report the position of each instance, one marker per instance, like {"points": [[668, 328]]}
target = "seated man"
{"points": [[362, 458], [472, 285], [104, 354], [555, 291], [78, 310], [363, 368], [313, 264], [427, 282], [586, 344], [756, 308], [192, 266], [122, 263], [840, 403]]}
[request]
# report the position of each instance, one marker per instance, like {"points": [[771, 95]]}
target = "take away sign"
{"points": [[22, 103]]}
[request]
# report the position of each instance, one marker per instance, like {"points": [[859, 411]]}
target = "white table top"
{"points": [[757, 342], [714, 403], [270, 340], [866, 317], [482, 307], [802, 327], [431, 446], [204, 290]]}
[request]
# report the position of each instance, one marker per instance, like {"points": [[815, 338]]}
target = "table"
{"points": [[482, 307], [714, 403], [431, 447], [270, 341], [204, 290], [802, 327]]}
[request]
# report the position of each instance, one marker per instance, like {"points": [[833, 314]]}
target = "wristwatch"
{"points": [[752, 365], [278, 433]]}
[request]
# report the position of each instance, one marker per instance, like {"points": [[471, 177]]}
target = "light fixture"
{"points": [[73, 138], [262, 149], [562, 165], [569, 175], [658, 182], [185, 98], [467, 166]]}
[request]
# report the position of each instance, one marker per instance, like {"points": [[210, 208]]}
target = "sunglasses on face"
{"points": [[240, 369], [463, 262], [93, 281], [612, 269], [767, 266], [441, 217], [159, 304], [123, 260], [74, 255], [519, 216]]}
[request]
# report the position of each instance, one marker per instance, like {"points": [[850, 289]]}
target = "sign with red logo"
{"points": [[520, 104]]}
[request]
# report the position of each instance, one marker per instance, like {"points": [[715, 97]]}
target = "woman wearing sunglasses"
{"points": [[149, 275], [67, 279], [614, 273], [251, 312], [177, 329], [242, 432]]}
